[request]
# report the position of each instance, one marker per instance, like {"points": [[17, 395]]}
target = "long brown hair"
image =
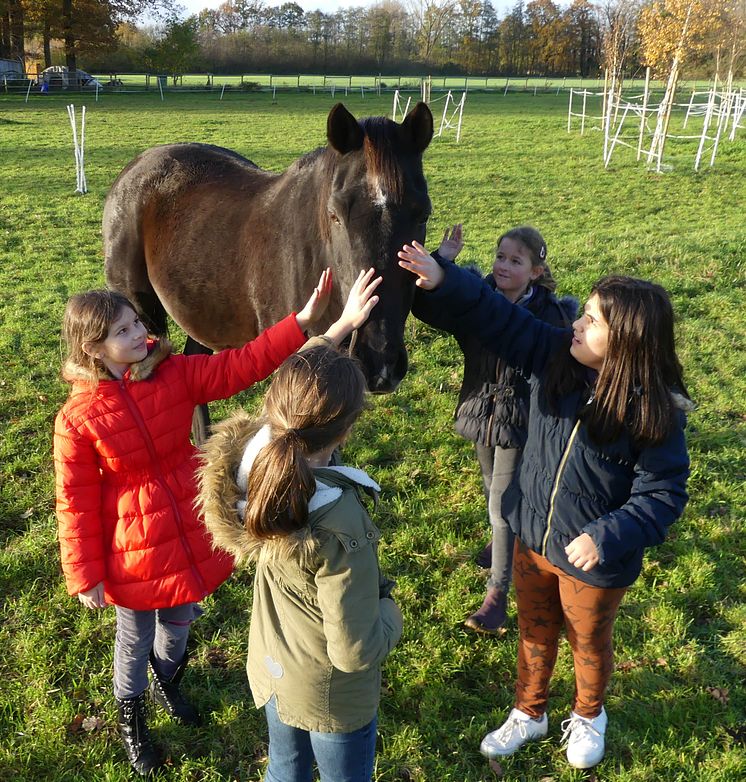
{"points": [[534, 242], [640, 370], [87, 318], [315, 398]]}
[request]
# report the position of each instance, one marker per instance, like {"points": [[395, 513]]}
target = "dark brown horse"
{"points": [[227, 249]]}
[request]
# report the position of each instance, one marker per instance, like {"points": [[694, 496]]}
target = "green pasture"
{"points": [[677, 705]]}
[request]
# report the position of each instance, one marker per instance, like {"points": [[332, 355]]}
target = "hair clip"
{"points": [[543, 252]]}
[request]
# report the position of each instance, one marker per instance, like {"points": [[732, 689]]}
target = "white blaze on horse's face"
{"points": [[379, 197]]}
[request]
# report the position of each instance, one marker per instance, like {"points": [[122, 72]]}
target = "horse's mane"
{"points": [[308, 158], [380, 158]]}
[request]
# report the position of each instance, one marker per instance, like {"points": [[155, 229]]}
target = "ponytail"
{"points": [[315, 398], [280, 486]]}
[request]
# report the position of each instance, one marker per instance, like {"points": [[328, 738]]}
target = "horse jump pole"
{"points": [[81, 186]]}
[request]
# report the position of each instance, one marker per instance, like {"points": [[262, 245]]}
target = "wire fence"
{"points": [[114, 82]]}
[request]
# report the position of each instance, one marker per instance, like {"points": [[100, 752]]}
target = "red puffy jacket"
{"points": [[125, 472]]}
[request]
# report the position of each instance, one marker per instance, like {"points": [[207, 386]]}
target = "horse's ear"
{"points": [[343, 131], [418, 126]]}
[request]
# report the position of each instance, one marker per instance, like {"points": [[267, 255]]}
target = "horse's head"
{"points": [[375, 200]]}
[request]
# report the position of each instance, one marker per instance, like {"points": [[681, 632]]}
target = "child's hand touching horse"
{"points": [[316, 306], [360, 302], [416, 259]]}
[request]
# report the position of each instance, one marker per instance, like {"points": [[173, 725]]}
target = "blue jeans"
{"points": [[340, 757]]}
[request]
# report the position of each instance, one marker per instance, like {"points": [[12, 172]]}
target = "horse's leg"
{"points": [[201, 417]]}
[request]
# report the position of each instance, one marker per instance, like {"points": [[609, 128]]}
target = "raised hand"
{"points": [[451, 244], [416, 259], [360, 302], [316, 306]]}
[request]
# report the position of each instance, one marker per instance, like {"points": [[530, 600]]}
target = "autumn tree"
{"points": [[681, 30], [12, 29]]}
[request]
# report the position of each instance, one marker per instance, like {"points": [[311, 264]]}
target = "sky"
{"points": [[327, 6]]}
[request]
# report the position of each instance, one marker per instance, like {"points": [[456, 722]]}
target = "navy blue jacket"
{"points": [[492, 407], [623, 496]]}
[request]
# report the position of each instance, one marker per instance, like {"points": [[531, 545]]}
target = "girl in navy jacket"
{"points": [[492, 409], [602, 476]]}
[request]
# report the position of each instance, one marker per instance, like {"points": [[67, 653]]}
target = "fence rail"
{"points": [[208, 82]]}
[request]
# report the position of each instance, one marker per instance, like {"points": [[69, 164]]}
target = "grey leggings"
{"points": [[497, 466], [163, 631]]}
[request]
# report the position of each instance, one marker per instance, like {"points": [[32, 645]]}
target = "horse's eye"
{"points": [[333, 217]]}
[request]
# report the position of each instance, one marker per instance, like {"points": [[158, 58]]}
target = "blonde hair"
{"points": [[315, 398], [534, 242], [87, 318]]}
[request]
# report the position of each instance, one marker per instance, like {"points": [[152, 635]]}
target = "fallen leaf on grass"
{"points": [[630, 665], [720, 694], [91, 724], [75, 725]]}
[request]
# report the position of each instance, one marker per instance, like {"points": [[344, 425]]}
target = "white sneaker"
{"points": [[585, 739], [513, 734]]}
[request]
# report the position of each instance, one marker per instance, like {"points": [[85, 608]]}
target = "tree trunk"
{"points": [[17, 31], [68, 34], [5, 34], [47, 38]]}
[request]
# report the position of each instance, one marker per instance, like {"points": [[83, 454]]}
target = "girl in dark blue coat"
{"points": [[602, 476]]}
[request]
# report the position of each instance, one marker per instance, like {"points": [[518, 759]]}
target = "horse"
{"points": [[226, 248]]}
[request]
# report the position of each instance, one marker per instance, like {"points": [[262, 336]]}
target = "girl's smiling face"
{"points": [[512, 270], [125, 343], [590, 339]]}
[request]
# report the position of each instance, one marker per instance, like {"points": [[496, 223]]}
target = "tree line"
{"points": [[535, 38]]}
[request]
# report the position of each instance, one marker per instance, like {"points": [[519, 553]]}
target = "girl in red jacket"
{"points": [[125, 479]]}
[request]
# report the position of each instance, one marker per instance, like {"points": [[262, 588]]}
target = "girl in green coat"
{"points": [[322, 619]]}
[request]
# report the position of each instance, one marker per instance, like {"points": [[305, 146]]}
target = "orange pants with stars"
{"points": [[548, 599]]}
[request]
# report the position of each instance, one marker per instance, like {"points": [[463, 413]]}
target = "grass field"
{"points": [[677, 704]]}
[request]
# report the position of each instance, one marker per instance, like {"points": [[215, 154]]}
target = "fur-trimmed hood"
{"points": [[223, 476], [158, 351]]}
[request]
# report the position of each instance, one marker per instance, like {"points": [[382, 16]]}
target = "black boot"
{"points": [[166, 693], [133, 730]]}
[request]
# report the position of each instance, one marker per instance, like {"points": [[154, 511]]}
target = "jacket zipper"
{"points": [[135, 410], [555, 489]]}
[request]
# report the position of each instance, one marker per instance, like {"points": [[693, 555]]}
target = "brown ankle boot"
{"points": [[490, 618]]}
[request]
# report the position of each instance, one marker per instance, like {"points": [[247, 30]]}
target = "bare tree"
{"points": [[430, 18]]}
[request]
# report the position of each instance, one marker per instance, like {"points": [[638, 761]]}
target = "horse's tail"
{"points": [[125, 267]]}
